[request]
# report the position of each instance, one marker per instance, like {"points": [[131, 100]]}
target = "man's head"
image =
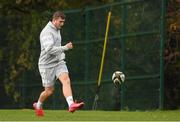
{"points": [[58, 19]]}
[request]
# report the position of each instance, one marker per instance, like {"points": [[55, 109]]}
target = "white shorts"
{"points": [[49, 75]]}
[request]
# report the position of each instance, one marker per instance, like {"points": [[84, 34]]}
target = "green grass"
{"points": [[62, 115]]}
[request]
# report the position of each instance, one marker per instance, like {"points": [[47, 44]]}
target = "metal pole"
{"points": [[123, 29], [86, 21], [163, 35]]}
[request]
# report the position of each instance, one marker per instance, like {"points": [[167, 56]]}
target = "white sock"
{"points": [[69, 100], [39, 105]]}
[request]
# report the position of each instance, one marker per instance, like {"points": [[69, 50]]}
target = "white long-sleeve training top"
{"points": [[52, 53]]}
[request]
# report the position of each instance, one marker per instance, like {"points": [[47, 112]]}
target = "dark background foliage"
{"points": [[22, 20]]}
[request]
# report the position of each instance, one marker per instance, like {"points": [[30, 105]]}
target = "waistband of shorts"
{"points": [[51, 65]]}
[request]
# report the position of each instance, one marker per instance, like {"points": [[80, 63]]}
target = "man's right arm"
{"points": [[48, 43]]}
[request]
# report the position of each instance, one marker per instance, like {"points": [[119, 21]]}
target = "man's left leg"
{"points": [[67, 91]]}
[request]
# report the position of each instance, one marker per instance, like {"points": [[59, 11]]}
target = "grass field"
{"points": [[62, 115]]}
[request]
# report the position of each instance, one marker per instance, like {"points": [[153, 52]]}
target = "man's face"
{"points": [[59, 23]]}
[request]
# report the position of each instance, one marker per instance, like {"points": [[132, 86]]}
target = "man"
{"points": [[52, 65]]}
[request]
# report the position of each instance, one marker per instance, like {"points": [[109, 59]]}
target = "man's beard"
{"points": [[59, 27]]}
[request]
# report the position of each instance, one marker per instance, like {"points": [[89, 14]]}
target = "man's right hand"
{"points": [[69, 45]]}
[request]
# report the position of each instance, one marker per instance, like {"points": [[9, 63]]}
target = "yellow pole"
{"points": [[104, 48]]}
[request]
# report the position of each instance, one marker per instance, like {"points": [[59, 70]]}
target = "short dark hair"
{"points": [[58, 14]]}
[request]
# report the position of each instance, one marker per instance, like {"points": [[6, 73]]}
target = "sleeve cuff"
{"points": [[65, 48]]}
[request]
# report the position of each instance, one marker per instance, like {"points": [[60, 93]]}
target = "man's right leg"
{"points": [[48, 91]]}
